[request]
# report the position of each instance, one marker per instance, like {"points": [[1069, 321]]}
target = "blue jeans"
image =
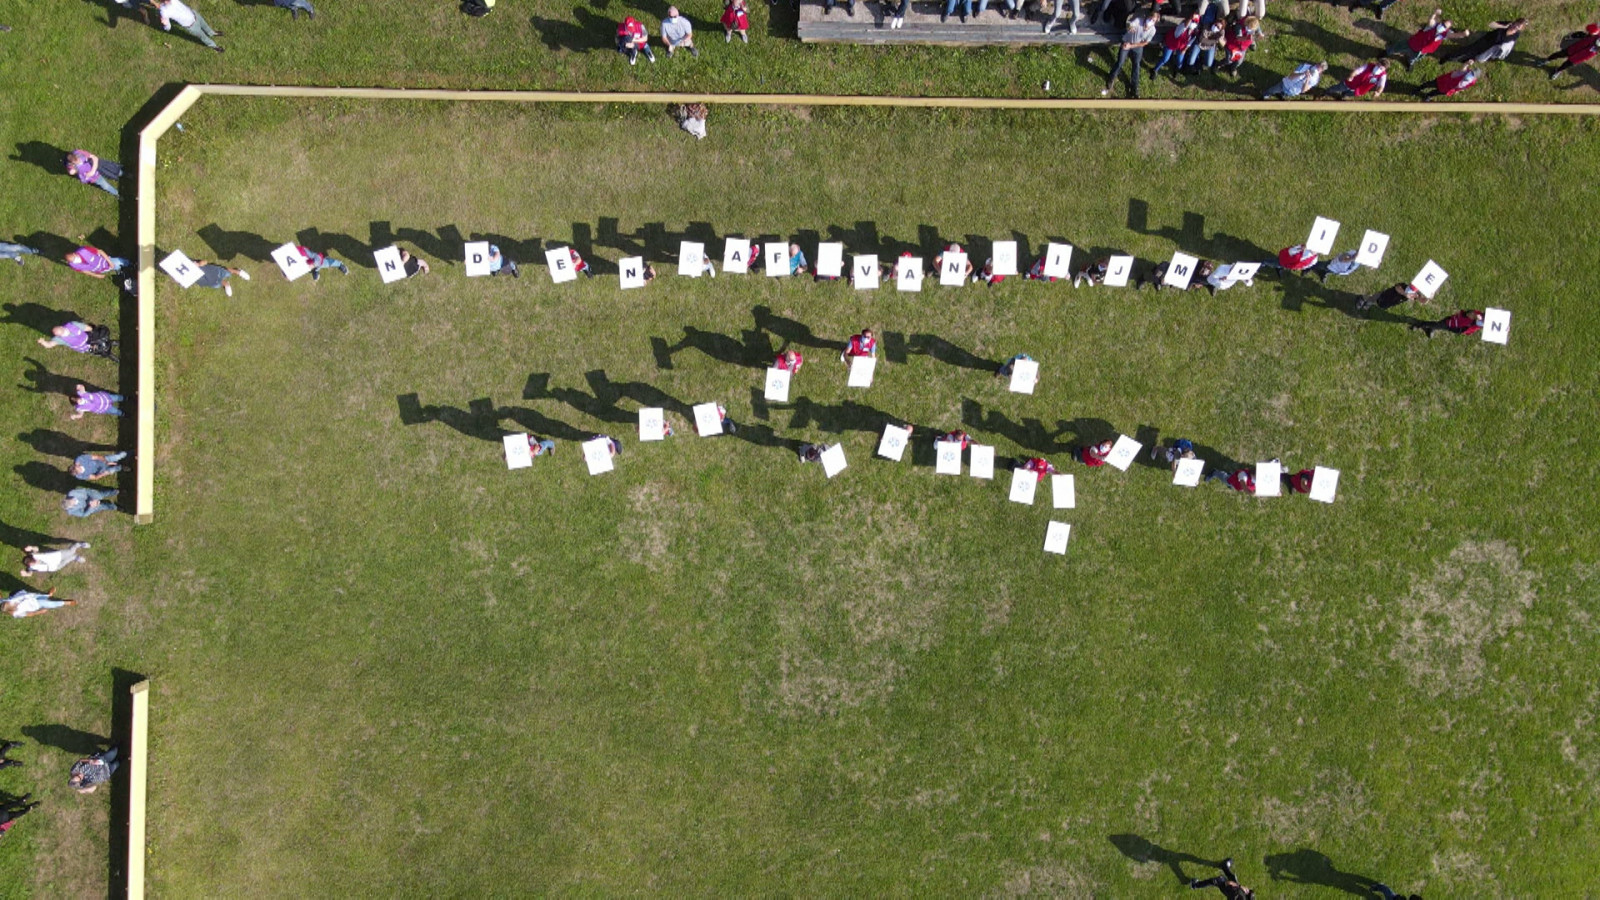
{"points": [[295, 7], [15, 251], [77, 502], [203, 31], [1175, 55], [1194, 56], [104, 185], [117, 263], [950, 7], [115, 399], [1061, 6]]}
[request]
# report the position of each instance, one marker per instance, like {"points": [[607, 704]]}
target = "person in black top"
{"points": [[1495, 44], [1227, 883]]}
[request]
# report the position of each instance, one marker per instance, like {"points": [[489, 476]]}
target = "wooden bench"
{"points": [[870, 25]]}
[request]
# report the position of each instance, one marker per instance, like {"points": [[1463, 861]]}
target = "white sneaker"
{"points": [[227, 289], [245, 275], [1106, 92]]}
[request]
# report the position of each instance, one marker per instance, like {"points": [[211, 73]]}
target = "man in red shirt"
{"points": [[1039, 467], [1094, 455], [863, 344], [631, 38], [1299, 482], [789, 361], [1427, 40], [1240, 480], [1296, 258], [1579, 51], [1450, 83], [1464, 322], [1370, 78]]}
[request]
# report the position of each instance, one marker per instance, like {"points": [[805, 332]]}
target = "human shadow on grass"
{"points": [[1187, 237], [522, 252], [600, 405], [791, 331], [37, 316], [227, 245], [116, 12], [609, 233], [48, 157], [755, 352], [340, 246], [46, 477], [950, 354], [1031, 434], [641, 393], [66, 738], [12, 536], [53, 247], [559, 34], [42, 381], [862, 239], [56, 443], [1329, 43], [839, 418], [1141, 850], [1307, 866], [481, 418], [444, 247]]}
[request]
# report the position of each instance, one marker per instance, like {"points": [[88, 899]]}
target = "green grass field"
{"points": [[385, 664]]}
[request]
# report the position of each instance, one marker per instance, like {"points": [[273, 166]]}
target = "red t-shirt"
{"points": [[1581, 51], [1241, 481], [735, 18], [632, 29], [1428, 38], [782, 362], [1464, 322], [1092, 456], [1300, 482], [1040, 467], [1296, 258], [860, 345], [1456, 82], [1366, 78]]}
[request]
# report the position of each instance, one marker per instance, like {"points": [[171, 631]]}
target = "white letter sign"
{"points": [[1024, 375], [775, 256], [518, 454], [652, 424], [981, 464], [1180, 270], [1373, 244], [953, 269], [1118, 270], [1323, 233], [777, 385], [1058, 261], [864, 272], [1429, 279], [559, 261], [1055, 537], [947, 458], [181, 268], [290, 261], [1496, 325], [1123, 452], [1004, 257], [477, 258], [1024, 482], [908, 273], [861, 368], [1064, 492], [1324, 482], [1269, 479], [830, 260], [707, 420], [833, 460], [893, 444], [691, 258], [597, 455], [1188, 472], [736, 256], [632, 272], [390, 269]]}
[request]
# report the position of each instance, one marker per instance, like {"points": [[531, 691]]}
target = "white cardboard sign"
{"points": [[981, 463], [1123, 452], [1064, 493], [518, 454], [707, 420], [290, 261], [1058, 261], [908, 273], [1024, 375], [777, 385], [775, 257], [1055, 537], [1118, 270], [597, 456], [1373, 244], [1024, 482], [736, 255], [947, 458], [1496, 325], [1429, 280], [953, 271], [894, 441], [559, 261], [631, 271], [833, 460], [390, 269], [182, 269], [477, 258], [830, 259], [1188, 472], [652, 424], [1268, 479], [1323, 233], [864, 272], [861, 369], [691, 258], [1004, 257], [1180, 270], [1324, 484], [1240, 272]]}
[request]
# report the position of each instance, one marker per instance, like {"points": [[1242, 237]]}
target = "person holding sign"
{"points": [[863, 344], [613, 446], [1343, 264], [1389, 298], [987, 275], [1038, 466], [1206, 41], [1010, 365], [736, 17], [579, 264], [797, 260], [1036, 272], [1094, 455], [1296, 259], [1221, 278], [1426, 40], [938, 261], [632, 37], [1369, 78], [1173, 453], [1240, 480], [1464, 322], [215, 276], [1579, 48], [1240, 38], [957, 437], [499, 263], [1493, 45], [1303, 79], [1451, 83], [413, 265], [94, 262], [319, 261], [1094, 273], [789, 361], [810, 453], [1203, 271], [1299, 482]]}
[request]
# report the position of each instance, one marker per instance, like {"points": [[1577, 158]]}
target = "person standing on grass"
{"points": [[413, 265], [736, 17], [1463, 322], [1494, 45], [789, 361], [1296, 259], [1240, 480], [23, 604], [49, 561], [1304, 78], [1094, 455], [1175, 452], [1579, 48], [81, 503], [1010, 365], [1426, 40], [810, 453], [938, 261], [1451, 83], [213, 275], [1039, 466], [1341, 265], [15, 252], [578, 263], [632, 37], [1093, 273], [499, 263], [296, 7], [175, 11], [92, 771], [1207, 41], [1227, 882], [319, 261], [1176, 44], [1240, 37], [91, 169], [94, 261], [1369, 78], [13, 810], [540, 446], [1389, 297], [677, 32], [1141, 30], [102, 403], [95, 466], [73, 336], [1299, 482], [613, 446], [863, 344], [955, 437]]}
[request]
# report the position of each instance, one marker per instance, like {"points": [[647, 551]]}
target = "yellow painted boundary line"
{"points": [[138, 769], [151, 134]]}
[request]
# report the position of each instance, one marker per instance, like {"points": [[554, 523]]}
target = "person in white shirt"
{"points": [[36, 560], [176, 12]]}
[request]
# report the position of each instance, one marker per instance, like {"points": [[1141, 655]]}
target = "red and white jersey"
{"points": [[861, 345], [1242, 481], [1370, 77], [1296, 258], [632, 30], [1428, 38], [1455, 82], [782, 362]]}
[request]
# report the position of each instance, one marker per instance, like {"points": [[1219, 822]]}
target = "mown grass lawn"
{"points": [[388, 665]]}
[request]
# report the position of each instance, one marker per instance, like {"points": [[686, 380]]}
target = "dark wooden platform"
{"points": [[870, 25]]}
